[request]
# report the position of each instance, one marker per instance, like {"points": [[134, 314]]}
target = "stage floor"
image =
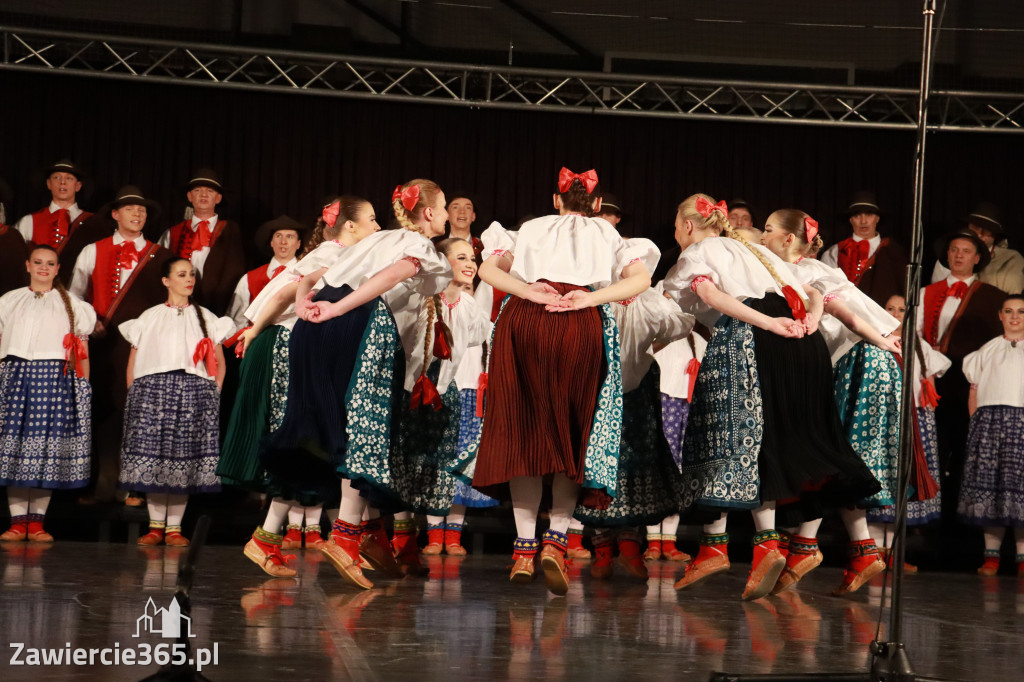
{"points": [[467, 622]]}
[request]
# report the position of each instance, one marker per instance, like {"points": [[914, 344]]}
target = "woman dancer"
{"points": [[45, 397], [762, 426], [554, 346], [172, 417], [992, 494], [867, 387]]}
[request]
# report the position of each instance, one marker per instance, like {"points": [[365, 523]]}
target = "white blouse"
{"points": [[165, 339], [571, 249], [468, 373], [833, 281], [469, 326], [360, 262], [496, 237], [33, 328], [241, 299], [673, 360], [997, 371], [323, 256], [649, 318], [732, 268]]}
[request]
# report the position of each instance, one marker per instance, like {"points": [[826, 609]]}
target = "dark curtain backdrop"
{"points": [[283, 153]]}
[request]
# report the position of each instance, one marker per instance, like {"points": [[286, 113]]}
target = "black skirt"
{"points": [[805, 463]]}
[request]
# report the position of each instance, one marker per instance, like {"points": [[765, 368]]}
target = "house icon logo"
{"points": [[164, 622]]}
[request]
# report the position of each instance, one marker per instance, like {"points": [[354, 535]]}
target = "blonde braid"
{"points": [[315, 239], [403, 217], [427, 334]]}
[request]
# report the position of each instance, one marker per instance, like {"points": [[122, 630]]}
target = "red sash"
{"points": [[107, 292], [44, 228]]}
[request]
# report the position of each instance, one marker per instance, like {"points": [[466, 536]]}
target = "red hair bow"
{"points": [[706, 208], [811, 226], [587, 179], [425, 393], [410, 196], [76, 347], [330, 213], [205, 352]]}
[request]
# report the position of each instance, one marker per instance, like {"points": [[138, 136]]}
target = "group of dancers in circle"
{"points": [[377, 380]]}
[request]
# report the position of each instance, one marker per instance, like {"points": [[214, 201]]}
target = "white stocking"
{"points": [[435, 520], [526, 492], [457, 515], [879, 532], [856, 521], [276, 513], [17, 500], [764, 517], [313, 514], [809, 529], [39, 501], [564, 494], [717, 527], [176, 509], [295, 514], [670, 525], [353, 505], [994, 539], [575, 524]]}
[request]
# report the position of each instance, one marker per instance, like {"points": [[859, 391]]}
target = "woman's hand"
{"points": [[542, 293], [786, 327], [244, 341], [810, 324], [302, 306], [892, 343], [577, 299], [100, 330]]}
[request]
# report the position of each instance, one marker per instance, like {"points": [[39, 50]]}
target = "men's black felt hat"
{"points": [[981, 246], [282, 222], [610, 204], [65, 166], [205, 177], [988, 216], [863, 201], [130, 195]]}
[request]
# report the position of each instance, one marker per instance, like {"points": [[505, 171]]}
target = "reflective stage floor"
{"points": [[465, 621]]}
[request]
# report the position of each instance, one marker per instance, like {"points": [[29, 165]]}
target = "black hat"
{"points": [[988, 216], [863, 202], [205, 177], [64, 166], [282, 222], [130, 195], [610, 204], [981, 246]]}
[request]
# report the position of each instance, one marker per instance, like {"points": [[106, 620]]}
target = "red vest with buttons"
{"points": [[257, 278], [44, 228], [106, 276]]}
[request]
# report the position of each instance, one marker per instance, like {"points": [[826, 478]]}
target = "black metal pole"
{"points": [[889, 658]]}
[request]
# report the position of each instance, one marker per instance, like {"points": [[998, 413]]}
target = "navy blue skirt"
{"points": [[301, 456]]}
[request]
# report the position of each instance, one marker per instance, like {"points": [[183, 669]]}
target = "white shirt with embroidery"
{"points": [[33, 327], [165, 339], [673, 360], [997, 371]]}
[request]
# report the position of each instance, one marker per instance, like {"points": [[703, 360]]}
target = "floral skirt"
{"points": [[674, 414], [992, 492], [45, 425], [924, 511], [469, 435], [650, 483], [867, 387], [171, 430]]}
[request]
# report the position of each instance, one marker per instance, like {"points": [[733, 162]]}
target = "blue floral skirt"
{"points": [[45, 425], [867, 385], [171, 431], [992, 492], [649, 484], [924, 511], [469, 434]]}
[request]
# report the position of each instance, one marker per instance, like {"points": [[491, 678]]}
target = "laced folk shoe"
{"points": [[767, 565], [712, 558], [264, 550], [864, 564]]}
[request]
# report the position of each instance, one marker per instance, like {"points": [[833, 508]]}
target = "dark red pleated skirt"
{"points": [[545, 373]]}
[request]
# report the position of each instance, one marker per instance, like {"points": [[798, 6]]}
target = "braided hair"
{"points": [[791, 220], [348, 209], [718, 222], [428, 197]]}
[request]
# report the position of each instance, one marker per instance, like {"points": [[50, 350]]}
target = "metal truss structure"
{"points": [[155, 61]]}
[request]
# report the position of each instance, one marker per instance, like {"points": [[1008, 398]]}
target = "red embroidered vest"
{"points": [[106, 276], [44, 228]]}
